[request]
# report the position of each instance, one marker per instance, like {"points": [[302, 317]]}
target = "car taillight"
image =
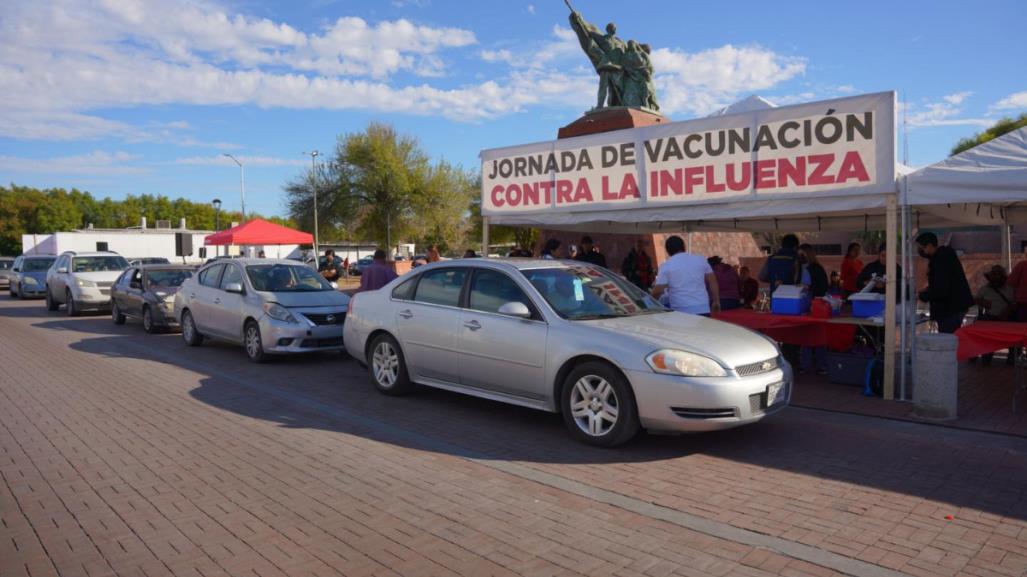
{"points": [[349, 307]]}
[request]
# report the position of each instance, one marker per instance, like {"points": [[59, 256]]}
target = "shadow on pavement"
{"points": [[979, 471]]}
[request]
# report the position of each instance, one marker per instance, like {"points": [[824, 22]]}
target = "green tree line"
{"points": [[27, 210]]}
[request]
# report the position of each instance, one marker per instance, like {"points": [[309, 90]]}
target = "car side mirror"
{"points": [[15, 270], [62, 270], [515, 309], [234, 287]]}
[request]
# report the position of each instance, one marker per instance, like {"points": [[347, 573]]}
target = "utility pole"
{"points": [[242, 185], [313, 186]]}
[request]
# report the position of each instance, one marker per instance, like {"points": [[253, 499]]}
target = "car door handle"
{"points": [[192, 295], [473, 325], [217, 300], [406, 314]]}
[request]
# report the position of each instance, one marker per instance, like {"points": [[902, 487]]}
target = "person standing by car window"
{"points": [[589, 253], [378, 274], [688, 280], [433, 254], [552, 250], [947, 291]]}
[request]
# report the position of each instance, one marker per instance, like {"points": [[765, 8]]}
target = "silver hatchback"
{"points": [[269, 306], [565, 337]]}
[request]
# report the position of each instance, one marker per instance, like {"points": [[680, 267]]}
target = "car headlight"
{"points": [[279, 313], [85, 283], [29, 281], [673, 362]]}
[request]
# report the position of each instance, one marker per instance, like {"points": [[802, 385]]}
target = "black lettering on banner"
{"points": [[865, 128], [627, 154], [567, 161], [739, 141], [673, 150], [782, 136], [719, 149], [493, 175], [764, 138], [689, 152], [505, 168], [821, 130], [520, 163], [652, 149], [551, 165], [535, 164], [609, 156], [584, 160]]}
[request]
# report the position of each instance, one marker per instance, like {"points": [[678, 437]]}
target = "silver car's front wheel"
{"points": [[597, 405], [387, 366], [253, 342]]}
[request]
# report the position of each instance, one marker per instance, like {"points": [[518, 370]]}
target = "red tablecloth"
{"points": [[988, 337], [804, 331]]}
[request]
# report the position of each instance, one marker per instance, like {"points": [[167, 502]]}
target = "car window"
{"points": [[405, 291], [98, 263], [137, 276], [210, 275], [441, 287], [581, 292], [492, 289], [279, 277], [162, 279], [232, 275], [17, 263], [6, 264], [36, 264]]}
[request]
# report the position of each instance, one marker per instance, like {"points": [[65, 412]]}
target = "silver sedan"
{"points": [[269, 306], [565, 337]]}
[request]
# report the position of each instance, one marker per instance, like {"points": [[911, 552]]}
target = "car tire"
{"points": [[148, 325], [116, 316], [253, 343], [387, 367], [69, 303], [598, 406], [190, 335], [51, 305]]}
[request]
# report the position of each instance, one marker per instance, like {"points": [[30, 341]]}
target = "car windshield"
{"points": [[163, 279], [582, 292], [36, 264], [98, 263], [285, 278]]}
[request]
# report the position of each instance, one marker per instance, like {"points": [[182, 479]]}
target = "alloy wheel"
{"points": [[594, 405], [254, 348], [385, 364]]}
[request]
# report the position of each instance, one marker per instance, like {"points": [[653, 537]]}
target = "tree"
{"points": [[1001, 127], [521, 236]]}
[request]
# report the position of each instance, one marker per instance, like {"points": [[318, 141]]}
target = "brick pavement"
{"points": [[126, 454]]}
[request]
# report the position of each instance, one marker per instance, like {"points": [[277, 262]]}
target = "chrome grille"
{"points": [[757, 368], [322, 319], [693, 413]]}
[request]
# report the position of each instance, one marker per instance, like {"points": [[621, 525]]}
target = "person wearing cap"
{"points": [[995, 302], [589, 253], [947, 290], [879, 269]]}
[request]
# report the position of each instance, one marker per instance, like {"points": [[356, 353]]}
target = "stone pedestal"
{"points": [[612, 118], [936, 388]]}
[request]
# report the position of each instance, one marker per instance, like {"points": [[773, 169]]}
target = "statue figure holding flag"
{"points": [[625, 70]]}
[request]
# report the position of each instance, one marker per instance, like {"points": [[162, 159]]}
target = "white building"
{"points": [[142, 241]]}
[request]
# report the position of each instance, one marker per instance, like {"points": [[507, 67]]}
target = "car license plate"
{"points": [[775, 393]]}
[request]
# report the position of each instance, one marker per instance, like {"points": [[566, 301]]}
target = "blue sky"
{"points": [[144, 96]]}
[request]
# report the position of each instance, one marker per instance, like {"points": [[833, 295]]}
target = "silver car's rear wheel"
{"points": [[387, 366], [190, 335], [594, 405], [597, 405]]}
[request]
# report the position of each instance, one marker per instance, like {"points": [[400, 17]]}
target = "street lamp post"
{"points": [[313, 186], [217, 220], [242, 185]]}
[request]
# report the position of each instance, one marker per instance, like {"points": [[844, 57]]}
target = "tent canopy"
{"points": [[258, 232]]}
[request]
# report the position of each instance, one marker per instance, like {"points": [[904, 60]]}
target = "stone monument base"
{"points": [[611, 118]]}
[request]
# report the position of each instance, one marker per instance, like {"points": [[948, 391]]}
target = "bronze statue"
{"points": [[625, 70]]}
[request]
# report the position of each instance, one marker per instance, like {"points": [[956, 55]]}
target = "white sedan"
{"points": [[567, 337]]}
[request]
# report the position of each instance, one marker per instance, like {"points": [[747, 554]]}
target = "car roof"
{"points": [[516, 263], [37, 256], [254, 260], [75, 254], [165, 267]]}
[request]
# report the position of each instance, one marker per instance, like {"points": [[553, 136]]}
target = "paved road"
{"points": [[128, 454]]}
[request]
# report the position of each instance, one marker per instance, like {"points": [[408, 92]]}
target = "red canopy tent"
{"points": [[258, 232]]}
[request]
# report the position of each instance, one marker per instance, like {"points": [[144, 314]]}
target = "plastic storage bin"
{"points": [[790, 300], [866, 305]]}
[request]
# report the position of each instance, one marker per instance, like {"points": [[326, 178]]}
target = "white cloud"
{"points": [[1017, 101], [531, 9], [945, 111], [96, 162], [246, 160]]}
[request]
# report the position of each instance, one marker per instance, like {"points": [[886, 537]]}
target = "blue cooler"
{"points": [[866, 305], [790, 300]]}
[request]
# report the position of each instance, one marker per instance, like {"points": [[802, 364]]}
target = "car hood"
{"points": [[105, 276], [730, 344], [307, 299]]}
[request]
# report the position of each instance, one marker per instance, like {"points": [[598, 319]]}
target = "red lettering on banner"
{"points": [[530, 194], [693, 177], [670, 182], [607, 193], [711, 184], [820, 163], [629, 189], [563, 191], [764, 170], [496, 199], [583, 192], [654, 184], [787, 169], [547, 188], [852, 167], [735, 184]]}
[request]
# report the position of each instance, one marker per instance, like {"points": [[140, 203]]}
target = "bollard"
{"points": [[936, 388]]}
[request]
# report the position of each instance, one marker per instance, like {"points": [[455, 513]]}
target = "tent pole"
{"points": [[485, 237], [904, 308], [891, 231], [1007, 246]]}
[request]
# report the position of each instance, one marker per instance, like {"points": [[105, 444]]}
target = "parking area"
{"points": [[123, 453]]}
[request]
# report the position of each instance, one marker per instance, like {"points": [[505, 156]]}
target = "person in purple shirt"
{"points": [[378, 274], [728, 282]]}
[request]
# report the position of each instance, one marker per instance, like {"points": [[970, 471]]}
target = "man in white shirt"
{"points": [[688, 280]]}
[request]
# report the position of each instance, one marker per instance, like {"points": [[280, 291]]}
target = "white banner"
{"points": [[836, 147]]}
